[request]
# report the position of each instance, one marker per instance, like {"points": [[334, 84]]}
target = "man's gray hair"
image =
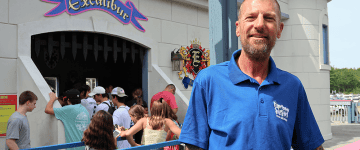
{"points": [[279, 10]]}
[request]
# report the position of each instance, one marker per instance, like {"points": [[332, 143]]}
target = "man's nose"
{"points": [[259, 23]]}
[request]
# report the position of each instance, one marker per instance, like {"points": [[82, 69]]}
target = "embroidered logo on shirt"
{"points": [[281, 111]]}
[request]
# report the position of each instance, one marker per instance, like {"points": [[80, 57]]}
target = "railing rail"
{"points": [[344, 111], [78, 144]]}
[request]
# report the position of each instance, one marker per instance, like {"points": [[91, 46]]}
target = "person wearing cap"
{"points": [[168, 95], [89, 103], [121, 115], [74, 116], [101, 97]]}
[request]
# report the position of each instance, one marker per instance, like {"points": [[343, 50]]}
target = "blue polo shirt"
{"points": [[230, 110]]}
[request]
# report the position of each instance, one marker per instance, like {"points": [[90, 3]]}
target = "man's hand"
{"points": [[49, 106], [192, 147], [320, 148], [52, 96]]}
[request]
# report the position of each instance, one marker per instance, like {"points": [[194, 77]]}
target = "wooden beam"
{"points": [[50, 44], [96, 46], [37, 45], [115, 49], [62, 44], [74, 45], [106, 47], [85, 45]]}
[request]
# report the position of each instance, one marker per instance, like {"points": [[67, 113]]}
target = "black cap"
{"points": [[72, 94]]}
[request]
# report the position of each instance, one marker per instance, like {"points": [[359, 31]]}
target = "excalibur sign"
{"points": [[125, 13]]}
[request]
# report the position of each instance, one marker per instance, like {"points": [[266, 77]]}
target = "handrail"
{"points": [[78, 144]]}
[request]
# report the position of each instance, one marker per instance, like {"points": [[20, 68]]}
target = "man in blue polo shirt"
{"points": [[248, 103]]}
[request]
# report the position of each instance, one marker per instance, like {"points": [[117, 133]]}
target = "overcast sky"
{"points": [[344, 33]]}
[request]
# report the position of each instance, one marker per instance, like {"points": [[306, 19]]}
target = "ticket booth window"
{"points": [[91, 82], [53, 84]]}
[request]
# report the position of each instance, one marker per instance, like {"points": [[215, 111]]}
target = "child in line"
{"points": [[155, 127], [137, 112]]}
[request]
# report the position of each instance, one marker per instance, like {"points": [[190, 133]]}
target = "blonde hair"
{"points": [[137, 111], [157, 119], [137, 94]]}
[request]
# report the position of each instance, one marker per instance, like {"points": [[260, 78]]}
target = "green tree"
{"points": [[344, 80]]}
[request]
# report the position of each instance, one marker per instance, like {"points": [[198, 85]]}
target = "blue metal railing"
{"points": [[345, 111], [78, 144]]}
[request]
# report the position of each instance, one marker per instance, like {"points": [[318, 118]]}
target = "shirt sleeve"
{"points": [[13, 129], [127, 120], [306, 134], [116, 118], [60, 113], [195, 130], [173, 104]]}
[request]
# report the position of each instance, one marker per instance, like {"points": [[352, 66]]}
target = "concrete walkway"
{"points": [[343, 134]]}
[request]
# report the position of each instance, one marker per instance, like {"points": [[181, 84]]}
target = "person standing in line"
{"points": [[137, 95], [168, 95], [99, 134], [275, 112], [101, 97], [86, 101], [108, 90], [74, 116], [18, 129], [121, 115], [84, 91]]}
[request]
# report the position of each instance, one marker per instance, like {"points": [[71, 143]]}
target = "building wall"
{"points": [[170, 24], [299, 51]]}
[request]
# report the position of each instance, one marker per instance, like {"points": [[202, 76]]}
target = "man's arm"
{"points": [[192, 147], [49, 106], [320, 148], [12, 144]]}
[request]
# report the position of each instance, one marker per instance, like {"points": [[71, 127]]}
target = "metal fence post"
{"points": [[349, 114], [352, 112]]}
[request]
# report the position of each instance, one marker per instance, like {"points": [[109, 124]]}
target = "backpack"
{"points": [[111, 109]]}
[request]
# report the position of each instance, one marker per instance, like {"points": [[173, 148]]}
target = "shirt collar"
{"points": [[237, 76]]}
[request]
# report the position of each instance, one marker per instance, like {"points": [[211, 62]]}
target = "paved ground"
{"points": [[342, 134]]}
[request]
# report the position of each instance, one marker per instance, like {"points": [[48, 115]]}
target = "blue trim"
{"points": [[60, 146], [284, 16], [153, 146], [145, 73], [78, 144], [325, 45], [349, 116], [222, 29]]}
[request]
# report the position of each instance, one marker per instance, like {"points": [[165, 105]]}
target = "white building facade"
{"points": [[170, 24]]}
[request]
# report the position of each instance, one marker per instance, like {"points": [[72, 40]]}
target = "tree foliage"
{"points": [[345, 80]]}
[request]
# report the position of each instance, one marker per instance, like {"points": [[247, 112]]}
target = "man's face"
{"points": [[97, 97], [109, 89], [258, 27], [31, 105]]}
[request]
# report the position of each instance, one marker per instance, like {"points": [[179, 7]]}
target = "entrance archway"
{"points": [[71, 57]]}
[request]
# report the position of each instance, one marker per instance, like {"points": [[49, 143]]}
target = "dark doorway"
{"points": [[72, 57]]}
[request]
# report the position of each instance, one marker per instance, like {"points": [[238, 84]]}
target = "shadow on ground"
{"points": [[342, 134]]}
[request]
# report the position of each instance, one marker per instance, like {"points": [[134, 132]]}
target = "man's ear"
{"points": [[281, 29], [237, 24]]}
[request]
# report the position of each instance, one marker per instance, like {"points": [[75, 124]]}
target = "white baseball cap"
{"points": [[119, 92], [97, 90]]}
